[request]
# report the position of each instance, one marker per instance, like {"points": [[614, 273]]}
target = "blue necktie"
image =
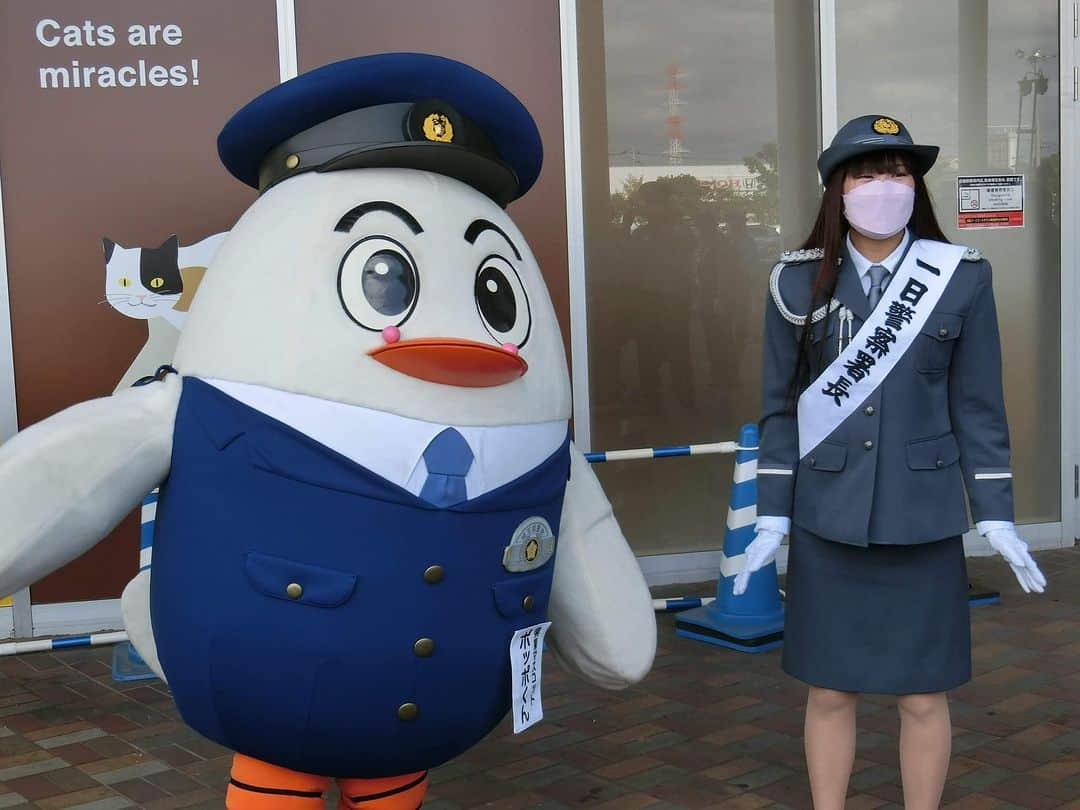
{"points": [[878, 274], [448, 459]]}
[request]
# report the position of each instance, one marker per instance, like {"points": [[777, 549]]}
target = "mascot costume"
{"points": [[368, 489]]}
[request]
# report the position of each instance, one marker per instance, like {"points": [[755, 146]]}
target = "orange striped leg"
{"points": [[258, 785], [404, 792]]}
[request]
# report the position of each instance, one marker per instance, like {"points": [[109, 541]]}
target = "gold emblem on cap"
{"points": [[437, 127], [886, 126]]}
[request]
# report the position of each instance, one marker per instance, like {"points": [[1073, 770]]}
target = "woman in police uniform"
{"points": [[882, 403]]}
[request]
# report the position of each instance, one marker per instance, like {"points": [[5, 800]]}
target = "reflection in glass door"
{"points": [[699, 135]]}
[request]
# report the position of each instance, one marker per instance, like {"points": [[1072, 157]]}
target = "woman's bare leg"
{"points": [[925, 747], [830, 745]]}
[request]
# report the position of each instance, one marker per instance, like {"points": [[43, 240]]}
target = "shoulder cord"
{"points": [[818, 314]]}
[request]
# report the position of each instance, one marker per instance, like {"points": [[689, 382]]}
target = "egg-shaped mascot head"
{"points": [[378, 266]]}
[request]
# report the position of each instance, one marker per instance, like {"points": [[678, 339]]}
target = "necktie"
{"points": [[448, 459], [878, 274]]}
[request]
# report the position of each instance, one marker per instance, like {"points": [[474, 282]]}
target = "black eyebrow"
{"points": [[345, 224], [478, 226]]}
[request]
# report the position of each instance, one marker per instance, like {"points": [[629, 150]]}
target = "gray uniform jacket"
{"points": [[894, 472]]}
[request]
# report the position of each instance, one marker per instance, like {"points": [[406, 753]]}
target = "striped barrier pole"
{"points": [[674, 451], [47, 644], [682, 602]]}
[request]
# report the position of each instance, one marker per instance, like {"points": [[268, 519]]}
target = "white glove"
{"points": [[761, 551], [1015, 551]]}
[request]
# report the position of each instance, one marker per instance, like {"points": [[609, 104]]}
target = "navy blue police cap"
{"points": [[398, 110], [873, 133]]}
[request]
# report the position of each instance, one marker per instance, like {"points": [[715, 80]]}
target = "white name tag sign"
{"points": [[878, 346], [526, 657]]}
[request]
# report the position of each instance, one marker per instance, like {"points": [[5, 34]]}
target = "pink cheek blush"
{"points": [[510, 347], [391, 334]]}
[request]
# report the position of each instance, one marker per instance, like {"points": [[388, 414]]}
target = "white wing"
{"points": [[603, 624], [68, 480]]}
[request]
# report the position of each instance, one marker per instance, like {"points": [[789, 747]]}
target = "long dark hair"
{"points": [[829, 231]]}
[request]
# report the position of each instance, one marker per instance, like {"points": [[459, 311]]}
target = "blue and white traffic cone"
{"points": [[754, 621], [127, 664]]}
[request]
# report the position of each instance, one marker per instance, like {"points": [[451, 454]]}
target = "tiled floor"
{"points": [[708, 728]]}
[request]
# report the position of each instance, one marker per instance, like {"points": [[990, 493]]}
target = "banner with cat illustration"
{"points": [[156, 285], [111, 112]]}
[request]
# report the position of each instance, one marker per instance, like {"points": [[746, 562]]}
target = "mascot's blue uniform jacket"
{"points": [[290, 633], [894, 472]]}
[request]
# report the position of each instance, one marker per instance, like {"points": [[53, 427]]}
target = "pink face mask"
{"points": [[879, 209]]}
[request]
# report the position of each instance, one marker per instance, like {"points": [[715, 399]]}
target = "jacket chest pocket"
{"points": [[523, 597], [933, 454], [936, 343], [827, 457], [298, 582]]}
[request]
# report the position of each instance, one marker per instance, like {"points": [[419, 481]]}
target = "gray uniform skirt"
{"points": [[882, 619]]}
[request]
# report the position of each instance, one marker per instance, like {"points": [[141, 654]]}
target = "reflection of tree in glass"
{"points": [[687, 198], [692, 257], [765, 201]]}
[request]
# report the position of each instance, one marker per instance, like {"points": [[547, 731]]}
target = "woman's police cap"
{"points": [[392, 110], [873, 133]]}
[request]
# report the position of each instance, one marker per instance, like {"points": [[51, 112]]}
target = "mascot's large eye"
{"points": [[501, 301], [378, 283]]}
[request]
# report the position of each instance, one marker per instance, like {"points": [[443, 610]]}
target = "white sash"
{"points": [[887, 334]]}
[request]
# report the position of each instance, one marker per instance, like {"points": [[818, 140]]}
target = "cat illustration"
{"points": [[156, 285]]}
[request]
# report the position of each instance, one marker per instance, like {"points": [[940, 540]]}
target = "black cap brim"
{"points": [[487, 175], [924, 156]]}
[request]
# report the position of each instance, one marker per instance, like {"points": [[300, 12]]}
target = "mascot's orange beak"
{"points": [[452, 361]]}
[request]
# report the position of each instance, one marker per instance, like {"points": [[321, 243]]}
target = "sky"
{"points": [[897, 57]]}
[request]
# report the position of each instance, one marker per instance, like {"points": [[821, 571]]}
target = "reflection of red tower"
{"points": [[675, 150]]}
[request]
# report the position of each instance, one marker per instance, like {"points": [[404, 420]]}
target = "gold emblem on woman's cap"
{"points": [[437, 127], [886, 126]]}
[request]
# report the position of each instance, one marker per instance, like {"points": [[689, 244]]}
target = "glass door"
{"points": [[980, 79], [8, 420], [699, 132]]}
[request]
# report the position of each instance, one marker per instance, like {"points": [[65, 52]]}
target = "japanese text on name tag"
{"points": [[526, 653]]}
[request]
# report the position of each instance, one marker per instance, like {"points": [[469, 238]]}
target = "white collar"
{"points": [[392, 446], [863, 264]]}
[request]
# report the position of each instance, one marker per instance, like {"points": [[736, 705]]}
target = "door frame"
{"points": [[1069, 122], [14, 618]]}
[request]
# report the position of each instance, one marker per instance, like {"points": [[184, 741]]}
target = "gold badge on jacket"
{"points": [[532, 545]]}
